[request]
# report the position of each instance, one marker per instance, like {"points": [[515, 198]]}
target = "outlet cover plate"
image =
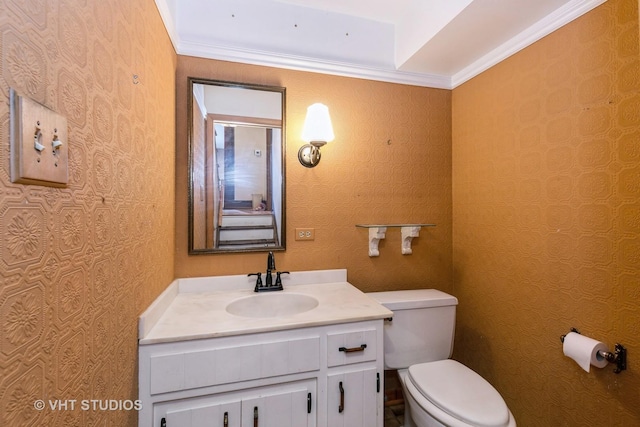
{"points": [[305, 234]]}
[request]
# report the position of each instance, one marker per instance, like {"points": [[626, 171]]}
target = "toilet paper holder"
{"points": [[618, 356]]}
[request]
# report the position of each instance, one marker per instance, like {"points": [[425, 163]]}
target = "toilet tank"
{"points": [[422, 328]]}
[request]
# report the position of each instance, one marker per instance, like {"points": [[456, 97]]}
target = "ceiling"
{"points": [[434, 43]]}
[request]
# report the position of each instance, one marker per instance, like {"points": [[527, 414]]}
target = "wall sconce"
{"points": [[316, 132]]}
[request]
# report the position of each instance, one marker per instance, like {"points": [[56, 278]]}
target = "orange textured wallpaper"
{"points": [[546, 209], [79, 264], [390, 163], [542, 236]]}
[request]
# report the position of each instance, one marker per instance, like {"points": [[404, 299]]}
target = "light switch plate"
{"points": [[39, 143]]}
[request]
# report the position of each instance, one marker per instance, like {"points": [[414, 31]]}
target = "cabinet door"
{"points": [[278, 409], [211, 415], [353, 399]]}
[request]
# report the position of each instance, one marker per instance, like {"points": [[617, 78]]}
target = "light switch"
{"points": [[39, 146]]}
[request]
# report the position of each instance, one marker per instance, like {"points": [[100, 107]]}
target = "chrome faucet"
{"points": [[269, 285]]}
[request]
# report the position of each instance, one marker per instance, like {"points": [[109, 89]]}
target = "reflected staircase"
{"points": [[251, 229]]}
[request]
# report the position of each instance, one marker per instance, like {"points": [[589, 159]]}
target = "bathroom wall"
{"points": [[546, 208], [390, 163], [79, 264], [545, 201]]}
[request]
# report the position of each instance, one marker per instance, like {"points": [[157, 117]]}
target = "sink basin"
{"points": [[272, 305]]}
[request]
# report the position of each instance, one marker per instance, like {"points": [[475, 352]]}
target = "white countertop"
{"points": [[196, 309]]}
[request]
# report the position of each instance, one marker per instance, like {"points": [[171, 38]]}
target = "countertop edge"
{"points": [[249, 331]]}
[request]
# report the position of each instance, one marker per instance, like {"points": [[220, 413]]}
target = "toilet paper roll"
{"points": [[584, 350]]}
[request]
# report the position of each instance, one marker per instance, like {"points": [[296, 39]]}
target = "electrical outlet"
{"points": [[305, 233]]}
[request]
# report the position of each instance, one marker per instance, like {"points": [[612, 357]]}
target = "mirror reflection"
{"points": [[236, 199]]}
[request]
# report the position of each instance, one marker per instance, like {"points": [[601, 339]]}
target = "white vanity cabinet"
{"points": [[287, 405], [352, 384], [280, 409], [353, 398], [222, 413], [321, 376]]}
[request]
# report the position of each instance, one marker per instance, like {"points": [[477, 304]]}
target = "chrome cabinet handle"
{"points": [[353, 349]]}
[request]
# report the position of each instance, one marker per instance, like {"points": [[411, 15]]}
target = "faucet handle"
{"points": [[258, 280], [278, 280]]}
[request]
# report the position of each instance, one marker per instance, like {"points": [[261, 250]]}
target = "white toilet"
{"points": [[438, 391]]}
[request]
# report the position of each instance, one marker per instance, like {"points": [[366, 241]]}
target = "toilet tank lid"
{"points": [[414, 298]]}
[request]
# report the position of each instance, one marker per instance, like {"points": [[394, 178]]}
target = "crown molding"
{"points": [[542, 28], [169, 21], [301, 63]]}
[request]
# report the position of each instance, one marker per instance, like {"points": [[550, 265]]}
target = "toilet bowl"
{"points": [[438, 391], [468, 400]]}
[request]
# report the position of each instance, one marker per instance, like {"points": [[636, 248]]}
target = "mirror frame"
{"points": [[190, 99]]}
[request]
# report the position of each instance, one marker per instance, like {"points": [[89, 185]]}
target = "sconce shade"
{"points": [[316, 132], [317, 125]]}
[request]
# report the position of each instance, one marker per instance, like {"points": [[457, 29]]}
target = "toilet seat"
{"points": [[461, 396]]}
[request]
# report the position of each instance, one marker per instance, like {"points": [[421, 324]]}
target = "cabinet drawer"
{"points": [[351, 347], [192, 369]]}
